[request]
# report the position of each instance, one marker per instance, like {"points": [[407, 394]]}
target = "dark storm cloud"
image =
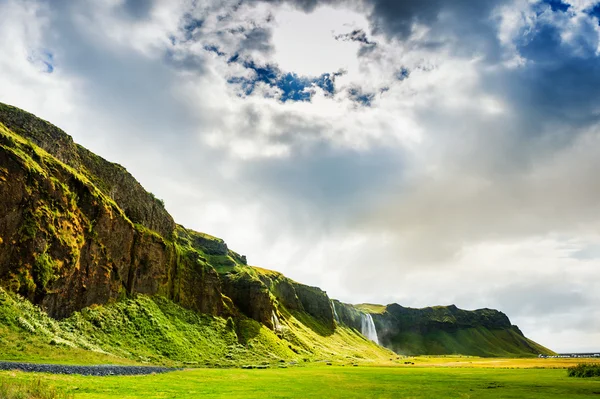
{"points": [[465, 25]]}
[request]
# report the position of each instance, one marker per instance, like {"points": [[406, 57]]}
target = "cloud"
{"points": [[138, 9]]}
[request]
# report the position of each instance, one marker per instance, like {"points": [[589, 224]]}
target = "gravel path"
{"points": [[102, 370]]}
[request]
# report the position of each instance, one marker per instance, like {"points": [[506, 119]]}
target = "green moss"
{"points": [[29, 228], [144, 230], [44, 268], [39, 161]]}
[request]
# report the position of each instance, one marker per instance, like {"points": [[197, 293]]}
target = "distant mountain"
{"points": [[78, 232]]}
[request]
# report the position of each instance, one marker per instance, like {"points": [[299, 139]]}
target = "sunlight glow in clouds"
{"points": [[306, 44]]}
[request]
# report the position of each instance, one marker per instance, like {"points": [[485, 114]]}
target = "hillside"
{"points": [[115, 276], [448, 330]]}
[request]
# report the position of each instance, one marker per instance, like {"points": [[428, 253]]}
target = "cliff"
{"points": [[79, 232], [443, 330]]}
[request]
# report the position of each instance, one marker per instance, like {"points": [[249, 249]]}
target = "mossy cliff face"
{"points": [[441, 318], [65, 244], [348, 314], [249, 295], [298, 297], [316, 303], [110, 178], [441, 330], [444, 330], [77, 230]]}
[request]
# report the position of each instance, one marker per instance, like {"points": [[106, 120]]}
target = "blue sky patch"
{"points": [[293, 86], [402, 74], [214, 49], [191, 25], [358, 96], [557, 5], [595, 12]]}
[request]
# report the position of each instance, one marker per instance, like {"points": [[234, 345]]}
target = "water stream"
{"points": [[335, 312], [367, 328], [275, 321]]}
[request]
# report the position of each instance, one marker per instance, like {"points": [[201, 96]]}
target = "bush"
{"points": [[584, 370]]}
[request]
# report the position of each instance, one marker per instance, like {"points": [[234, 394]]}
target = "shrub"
{"points": [[584, 370]]}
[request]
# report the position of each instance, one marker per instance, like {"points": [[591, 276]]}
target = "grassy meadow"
{"points": [[429, 377]]}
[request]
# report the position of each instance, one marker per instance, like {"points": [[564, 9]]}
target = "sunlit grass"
{"points": [[30, 388], [331, 382]]}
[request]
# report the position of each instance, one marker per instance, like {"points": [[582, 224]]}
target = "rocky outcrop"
{"points": [[299, 297], [112, 179], [250, 295], [442, 330], [316, 303], [64, 244], [206, 243], [196, 285], [444, 318], [348, 314], [282, 288]]}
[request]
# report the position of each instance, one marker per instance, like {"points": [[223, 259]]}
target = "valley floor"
{"points": [[429, 377]]}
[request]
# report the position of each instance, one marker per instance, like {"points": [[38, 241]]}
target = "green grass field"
{"points": [[319, 381]]}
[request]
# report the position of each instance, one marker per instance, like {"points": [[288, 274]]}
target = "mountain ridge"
{"points": [[79, 231]]}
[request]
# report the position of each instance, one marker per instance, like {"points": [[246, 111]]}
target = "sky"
{"points": [[423, 152]]}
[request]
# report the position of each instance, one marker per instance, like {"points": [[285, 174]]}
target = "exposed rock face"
{"points": [[283, 289], [112, 179], [250, 295], [316, 303], [299, 297], [445, 318], [197, 286], [449, 330], [210, 246], [348, 314], [66, 245]]}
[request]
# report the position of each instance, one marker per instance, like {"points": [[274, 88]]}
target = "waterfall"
{"points": [[275, 321], [334, 312], [367, 328]]}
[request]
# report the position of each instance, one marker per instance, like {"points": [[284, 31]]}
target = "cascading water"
{"points": [[367, 328], [275, 321], [334, 312]]}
